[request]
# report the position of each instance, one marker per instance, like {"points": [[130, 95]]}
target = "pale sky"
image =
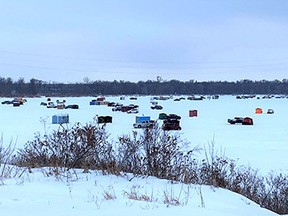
{"points": [[133, 40]]}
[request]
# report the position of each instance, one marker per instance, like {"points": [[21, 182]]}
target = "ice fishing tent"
{"points": [[270, 111], [104, 119], [258, 111], [247, 121], [60, 119], [193, 113], [162, 116]]}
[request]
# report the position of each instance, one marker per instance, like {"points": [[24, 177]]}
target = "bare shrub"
{"points": [[252, 184], [214, 168], [164, 154], [276, 197], [130, 155], [79, 147], [161, 151]]}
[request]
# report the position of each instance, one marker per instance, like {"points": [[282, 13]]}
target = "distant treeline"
{"points": [[35, 87]]}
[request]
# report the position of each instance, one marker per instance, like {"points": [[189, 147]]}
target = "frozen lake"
{"points": [[263, 146]]}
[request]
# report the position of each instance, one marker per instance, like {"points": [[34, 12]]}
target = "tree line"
{"points": [[35, 87]]}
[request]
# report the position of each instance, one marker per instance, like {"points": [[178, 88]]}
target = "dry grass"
{"points": [[170, 200], [109, 195], [134, 194]]}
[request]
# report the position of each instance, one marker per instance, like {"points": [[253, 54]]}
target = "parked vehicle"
{"points": [[154, 102], [143, 122], [171, 124], [236, 120], [111, 104], [195, 98], [179, 99], [132, 111], [93, 102], [173, 116], [129, 107], [16, 103], [240, 120], [51, 104], [156, 107], [72, 106], [117, 108], [7, 102], [60, 104]]}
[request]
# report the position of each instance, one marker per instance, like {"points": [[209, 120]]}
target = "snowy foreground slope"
{"points": [[96, 194], [262, 146]]}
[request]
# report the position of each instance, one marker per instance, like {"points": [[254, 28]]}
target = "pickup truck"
{"points": [[144, 124], [235, 120], [171, 124]]}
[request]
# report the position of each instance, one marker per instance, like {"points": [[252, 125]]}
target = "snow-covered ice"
{"points": [[262, 146]]}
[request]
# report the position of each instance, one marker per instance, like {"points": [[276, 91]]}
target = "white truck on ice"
{"points": [[143, 122]]}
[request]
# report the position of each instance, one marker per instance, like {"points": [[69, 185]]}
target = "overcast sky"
{"points": [[133, 40]]}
